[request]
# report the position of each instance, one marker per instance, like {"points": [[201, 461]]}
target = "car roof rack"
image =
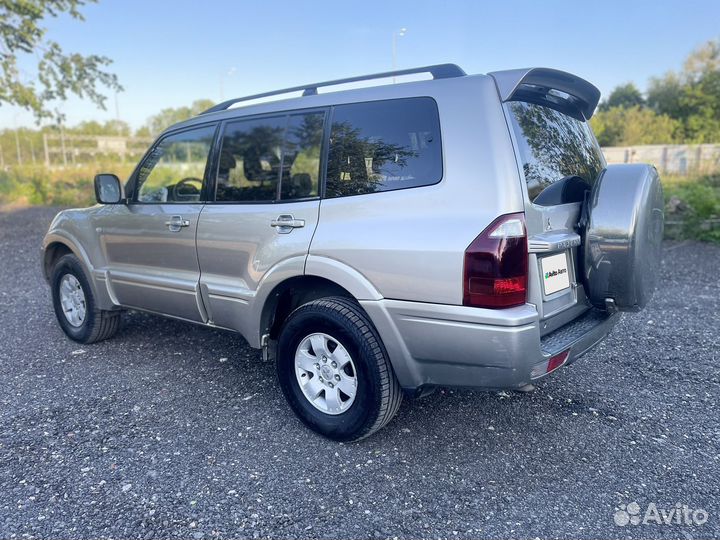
{"points": [[439, 71]]}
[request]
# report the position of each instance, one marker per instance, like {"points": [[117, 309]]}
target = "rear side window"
{"points": [[553, 146], [249, 161], [382, 146], [270, 159]]}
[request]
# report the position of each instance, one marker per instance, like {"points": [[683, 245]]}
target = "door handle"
{"points": [[285, 223], [176, 223]]}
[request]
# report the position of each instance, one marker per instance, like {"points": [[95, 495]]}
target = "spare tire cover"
{"points": [[623, 236]]}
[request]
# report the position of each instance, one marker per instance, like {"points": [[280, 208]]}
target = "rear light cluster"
{"points": [[496, 265]]}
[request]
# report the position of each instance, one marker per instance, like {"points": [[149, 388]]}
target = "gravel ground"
{"points": [[172, 430]]}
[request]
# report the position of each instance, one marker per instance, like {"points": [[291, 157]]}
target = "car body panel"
{"points": [[237, 247], [149, 266]]}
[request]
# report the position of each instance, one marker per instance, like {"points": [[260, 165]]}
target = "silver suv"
{"points": [[457, 231]]}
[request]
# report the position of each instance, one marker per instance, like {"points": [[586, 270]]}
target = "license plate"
{"points": [[555, 274]]}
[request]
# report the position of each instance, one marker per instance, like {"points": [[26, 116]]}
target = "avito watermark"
{"points": [[680, 514]]}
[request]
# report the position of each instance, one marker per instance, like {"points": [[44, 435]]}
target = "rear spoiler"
{"points": [[552, 87]]}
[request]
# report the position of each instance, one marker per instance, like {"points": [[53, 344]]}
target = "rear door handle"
{"points": [[285, 223], [176, 223]]}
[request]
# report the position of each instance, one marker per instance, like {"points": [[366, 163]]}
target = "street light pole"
{"points": [[230, 72], [397, 34]]}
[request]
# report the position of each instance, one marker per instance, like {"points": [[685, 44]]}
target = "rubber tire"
{"points": [[378, 394], [98, 324]]}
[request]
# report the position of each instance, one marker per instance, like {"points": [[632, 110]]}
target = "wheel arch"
{"points": [[290, 294], [52, 252], [57, 245]]}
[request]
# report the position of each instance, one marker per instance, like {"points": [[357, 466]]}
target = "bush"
{"points": [[692, 207]]}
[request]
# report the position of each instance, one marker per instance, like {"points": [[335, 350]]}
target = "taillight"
{"points": [[496, 265]]}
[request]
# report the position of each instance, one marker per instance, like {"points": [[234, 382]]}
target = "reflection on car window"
{"points": [[249, 164], [552, 146], [384, 145], [301, 159], [174, 170], [254, 151]]}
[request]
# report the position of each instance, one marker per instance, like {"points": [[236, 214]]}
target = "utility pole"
{"points": [[62, 145], [32, 149], [47, 150], [17, 142], [396, 35]]}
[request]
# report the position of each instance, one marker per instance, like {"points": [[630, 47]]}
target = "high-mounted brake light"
{"points": [[496, 265]]}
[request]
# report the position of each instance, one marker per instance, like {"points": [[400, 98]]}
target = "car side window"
{"points": [[301, 156], [250, 159], [270, 159], [384, 145], [174, 170]]}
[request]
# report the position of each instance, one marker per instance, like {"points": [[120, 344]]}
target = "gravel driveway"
{"points": [[175, 430]]}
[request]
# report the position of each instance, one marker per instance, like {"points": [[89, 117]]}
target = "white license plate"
{"points": [[555, 274]]}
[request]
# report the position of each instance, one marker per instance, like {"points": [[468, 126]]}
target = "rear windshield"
{"points": [[553, 146]]}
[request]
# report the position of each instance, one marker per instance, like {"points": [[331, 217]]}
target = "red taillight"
{"points": [[496, 265]]}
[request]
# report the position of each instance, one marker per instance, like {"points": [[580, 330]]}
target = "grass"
{"points": [[692, 203]]}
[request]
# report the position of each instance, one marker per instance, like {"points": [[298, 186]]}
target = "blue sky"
{"points": [[169, 53]]}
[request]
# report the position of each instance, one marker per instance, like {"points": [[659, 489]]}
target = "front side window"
{"points": [[174, 170], [384, 145], [553, 146]]}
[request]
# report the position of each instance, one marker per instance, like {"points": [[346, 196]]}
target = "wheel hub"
{"points": [[72, 300], [325, 373]]}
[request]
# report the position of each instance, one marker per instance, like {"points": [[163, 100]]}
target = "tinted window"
{"points": [[553, 146], [384, 145], [175, 168], [249, 163], [301, 156]]}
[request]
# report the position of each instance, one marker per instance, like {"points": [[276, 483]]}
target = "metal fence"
{"points": [[62, 149], [679, 159]]}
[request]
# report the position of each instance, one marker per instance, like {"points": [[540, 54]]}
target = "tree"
{"points": [[167, 117], [680, 107], [663, 95], [703, 60], [625, 95], [621, 126], [58, 74], [93, 127]]}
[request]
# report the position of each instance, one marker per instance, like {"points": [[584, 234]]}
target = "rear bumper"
{"points": [[439, 345]]}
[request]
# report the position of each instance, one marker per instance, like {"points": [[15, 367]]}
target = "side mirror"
{"points": [[108, 189]]}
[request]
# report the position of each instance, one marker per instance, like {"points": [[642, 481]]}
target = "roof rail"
{"points": [[439, 71]]}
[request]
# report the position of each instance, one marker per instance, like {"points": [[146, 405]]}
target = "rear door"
{"points": [[149, 243], [263, 211], [559, 159]]}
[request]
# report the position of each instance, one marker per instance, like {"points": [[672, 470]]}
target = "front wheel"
{"points": [[334, 371], [75, 306]]}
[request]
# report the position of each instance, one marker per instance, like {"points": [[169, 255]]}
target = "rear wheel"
{"points": [[75, 306], [334, 371]]}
